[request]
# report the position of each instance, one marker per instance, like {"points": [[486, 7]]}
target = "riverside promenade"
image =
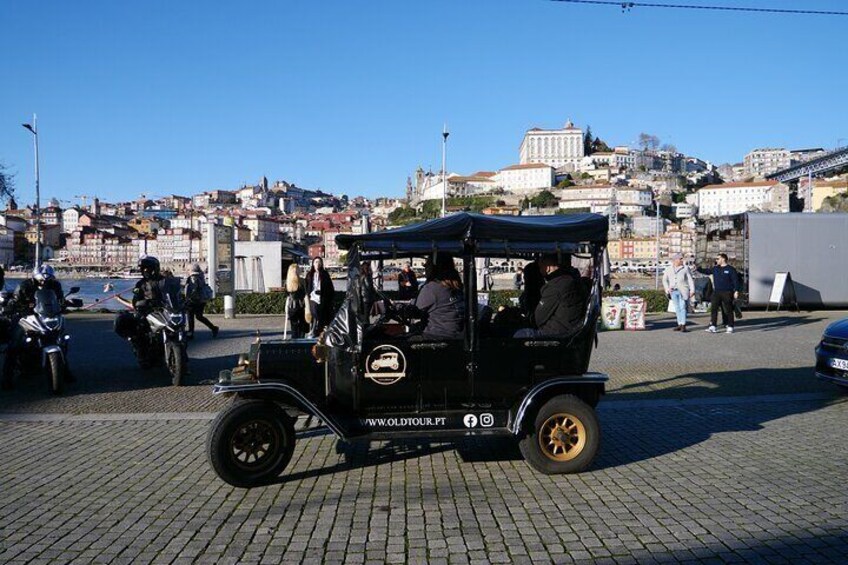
{"points": [[715, 448]]}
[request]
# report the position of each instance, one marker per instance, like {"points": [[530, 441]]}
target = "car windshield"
{"points": [[47, 303]]}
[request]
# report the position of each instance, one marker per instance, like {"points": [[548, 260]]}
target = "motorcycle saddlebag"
{"points": [[125, 325]]}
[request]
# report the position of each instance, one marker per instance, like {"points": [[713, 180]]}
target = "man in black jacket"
{"points": [[725, 291], [562, 304]]}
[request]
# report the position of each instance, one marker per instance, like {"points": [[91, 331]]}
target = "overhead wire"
{"points": [[626, 6]]}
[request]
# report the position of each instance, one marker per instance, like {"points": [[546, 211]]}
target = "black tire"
{"points": [[55, 372], [175, 358], [565, 436], [251, 428]]}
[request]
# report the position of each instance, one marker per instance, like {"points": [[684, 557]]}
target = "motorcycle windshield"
{"points": [[47, 304]]}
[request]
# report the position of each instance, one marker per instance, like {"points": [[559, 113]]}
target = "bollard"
{"points": [[229, 306]]}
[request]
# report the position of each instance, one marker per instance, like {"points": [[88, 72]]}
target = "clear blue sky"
{"points": [[165, 97]]}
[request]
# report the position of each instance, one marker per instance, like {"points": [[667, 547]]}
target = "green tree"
{"points": [[565, 183], [588, 141], [544, 199], [600, 146]]}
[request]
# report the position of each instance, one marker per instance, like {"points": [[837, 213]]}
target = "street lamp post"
{"points": [[657, 275], [445, 135], [33, 128]]}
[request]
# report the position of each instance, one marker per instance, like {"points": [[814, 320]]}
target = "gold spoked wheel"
{"points": [[562, 437]]}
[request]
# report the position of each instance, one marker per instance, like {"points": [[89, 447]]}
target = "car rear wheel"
{"points": [[564, 438], [250, 443]]}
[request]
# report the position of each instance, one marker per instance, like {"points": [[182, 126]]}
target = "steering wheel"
{"points": [[392, 311]]}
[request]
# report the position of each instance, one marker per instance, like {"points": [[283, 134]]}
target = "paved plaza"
{"points": [[716, 448]]}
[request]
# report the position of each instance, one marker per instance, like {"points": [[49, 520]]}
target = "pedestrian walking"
{"points": [[320, 291], [197, 295], [518, 279], [295, 326], [487, 279], [678, 285], [725, 291]]}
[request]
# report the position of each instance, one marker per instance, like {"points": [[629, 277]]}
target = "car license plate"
{"points": [[841, 364]]}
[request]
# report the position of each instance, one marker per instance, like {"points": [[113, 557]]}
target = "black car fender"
{"points": [[588, 387], [284, 393]]}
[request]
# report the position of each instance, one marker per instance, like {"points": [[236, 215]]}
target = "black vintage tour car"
{"points": [[374, 377]]}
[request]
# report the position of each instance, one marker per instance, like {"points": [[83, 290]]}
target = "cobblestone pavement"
{"points": [[715, 448], [700, 481]]}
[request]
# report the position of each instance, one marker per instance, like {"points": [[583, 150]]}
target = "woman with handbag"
{"points": [[296, 325], [197, 294], [678, 285]]}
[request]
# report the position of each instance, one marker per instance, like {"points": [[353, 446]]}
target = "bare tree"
{"points": [[7, 184], [648, 142], [668, 148]]}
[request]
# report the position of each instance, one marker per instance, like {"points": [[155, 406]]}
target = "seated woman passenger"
{"points": [[441, 300]]}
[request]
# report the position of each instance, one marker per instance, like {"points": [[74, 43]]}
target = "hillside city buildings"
{"points": [[558, 172]]}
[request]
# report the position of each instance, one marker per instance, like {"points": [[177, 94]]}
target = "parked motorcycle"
{"points": [[158, 337], [45, 344]]}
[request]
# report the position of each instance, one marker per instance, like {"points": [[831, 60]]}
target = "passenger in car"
{"points": [[533, 281], [441, 300], [562, 303]]}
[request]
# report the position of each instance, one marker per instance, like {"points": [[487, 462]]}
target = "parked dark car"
{"points": [[832, 353], [382, 379]]}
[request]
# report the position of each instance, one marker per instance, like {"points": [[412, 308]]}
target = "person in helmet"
{"points": [[151, 290], [150, 293], [43, 277]]}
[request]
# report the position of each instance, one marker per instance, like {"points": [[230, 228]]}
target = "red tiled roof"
{"points": [[527, 166]]}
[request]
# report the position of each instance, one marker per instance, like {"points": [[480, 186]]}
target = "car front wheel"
{"points": [[565, 436], [250, 443]]}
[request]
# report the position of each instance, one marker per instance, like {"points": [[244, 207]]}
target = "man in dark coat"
{"points": [[562, 303]]}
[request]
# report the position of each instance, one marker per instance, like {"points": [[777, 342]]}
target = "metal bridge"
{"points": [[835, 160]]}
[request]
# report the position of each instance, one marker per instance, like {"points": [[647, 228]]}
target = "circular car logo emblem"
{"points": [[385, 365]]}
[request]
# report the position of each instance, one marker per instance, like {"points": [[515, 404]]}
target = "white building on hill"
{"points": [[528, 178], [554, 147], [739, 197]]}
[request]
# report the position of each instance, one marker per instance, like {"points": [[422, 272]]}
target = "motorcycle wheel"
{"points": [[56, 372], [175, 358]]}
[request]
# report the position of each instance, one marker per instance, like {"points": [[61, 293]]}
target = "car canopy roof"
{"points": [[488, 234]]}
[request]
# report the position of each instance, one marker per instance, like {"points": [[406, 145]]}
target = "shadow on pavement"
{"points": [[776, 323], [104, 364], [743, 382], [640, 431]]}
